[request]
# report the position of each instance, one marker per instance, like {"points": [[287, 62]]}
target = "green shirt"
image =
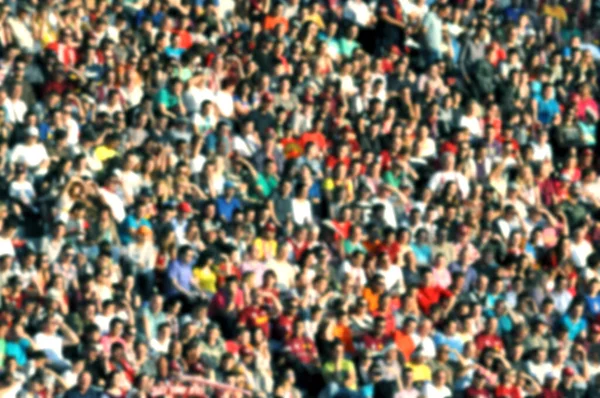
{"points": [[166, 98], [267, 183], [2, 352], [576, 213], [350, 247], [330, 374], [347, 47]]}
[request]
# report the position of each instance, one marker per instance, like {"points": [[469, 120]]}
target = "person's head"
{"points": [[84, 381]]}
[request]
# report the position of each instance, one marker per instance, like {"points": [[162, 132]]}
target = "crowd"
{"points": [[299, 198]]}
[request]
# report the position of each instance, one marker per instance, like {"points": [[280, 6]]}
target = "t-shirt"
{"points": [[50, 344], [166, 98], [431, 391]]}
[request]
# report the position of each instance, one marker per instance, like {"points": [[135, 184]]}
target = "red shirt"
{"points": [[547, 393], [255, 317], [483, 341], [429, 295], [391, 249], [390, 322], [302, 348], [221, 300], [373, 343], [507, 392], [283, 327], [315, 137], [298, 247], [473, 392]]}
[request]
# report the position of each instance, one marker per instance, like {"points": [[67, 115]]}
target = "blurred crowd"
{"points": [[299, 198]]}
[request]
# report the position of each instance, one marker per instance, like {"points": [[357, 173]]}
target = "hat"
{"points": [[229, 185], [568, 371], [266, 97], [53, 294], [144, 230], [588, 152], [550, 376], [270, 227], [184, 207], [595, 328], [32, 131]]}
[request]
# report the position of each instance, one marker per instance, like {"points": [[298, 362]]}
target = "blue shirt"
{"points": [[182, 274], [422, 253], [574, 327], [156, 18], [547, 109], [451, 341], [225, 209], [592, 305], [18, 350], [130, 223]]}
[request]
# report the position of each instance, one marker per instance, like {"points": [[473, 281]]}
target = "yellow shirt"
{"points": [[206, 278], [266, 249], [104, 153], [421, 372], [316, 19], [556, 11]]}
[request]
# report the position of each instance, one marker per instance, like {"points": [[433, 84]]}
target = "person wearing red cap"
{"points": [[571, 383], [180, 222], [266, 245]]}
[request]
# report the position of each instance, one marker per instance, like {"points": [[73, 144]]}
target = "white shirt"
{"points": [[32, 155], [356, 274], [49, 343], [357, 12], [473, 124], [245, 146], [197, 164], [301, 211], [15, 110], [580, 253], [103, 322], [72, 131], [389, 214], [562, 300], [224, 102], [22, 33], [115, 203], [539, 371], [20, 190], [394, 279], [131, 182], [440, 178], [194, 97], [541, 152], [426, 343], [159, 347], [431, 391], [6, 247]]}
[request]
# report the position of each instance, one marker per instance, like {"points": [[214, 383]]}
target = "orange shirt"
{"points": [[404, 343], [271, 22], [343, 333], [372, 299]]}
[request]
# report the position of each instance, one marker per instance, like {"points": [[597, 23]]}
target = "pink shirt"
{"points": [[441, 277], [583, 105]]}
